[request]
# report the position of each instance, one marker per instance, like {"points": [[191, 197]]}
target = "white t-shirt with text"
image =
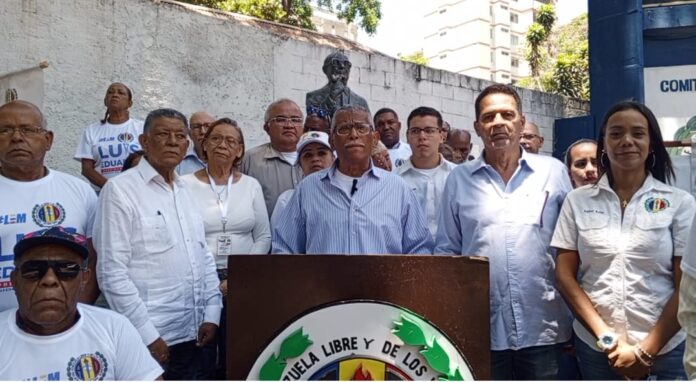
{"points": [[57, 199], [102, 345]]}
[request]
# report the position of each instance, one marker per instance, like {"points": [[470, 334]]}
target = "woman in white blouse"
{"points": [[232, 206], [620, 243]]}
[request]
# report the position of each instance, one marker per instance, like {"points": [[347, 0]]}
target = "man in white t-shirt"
{"points": [[426, 171], [274, 164], [388, 126], [51, 336], [32, 196]]}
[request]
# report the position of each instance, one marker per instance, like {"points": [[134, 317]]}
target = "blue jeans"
{"points": [[533, 363], [594, 364]]}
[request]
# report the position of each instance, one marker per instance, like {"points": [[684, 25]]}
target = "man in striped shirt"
{"points": [[353, 207]]}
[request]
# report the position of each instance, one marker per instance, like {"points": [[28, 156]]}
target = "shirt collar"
{"points": [[271, 152], [408, 165], [373, 171], [148, 173], [649, 184], [526, 160]]}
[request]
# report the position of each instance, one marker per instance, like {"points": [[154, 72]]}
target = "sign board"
{"points": [[670, 92]]}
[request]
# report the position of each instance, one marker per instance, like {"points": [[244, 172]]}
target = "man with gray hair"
{"points": [[531, 139], [353, 207], [274, 164], [154, 265], [198, 125]]}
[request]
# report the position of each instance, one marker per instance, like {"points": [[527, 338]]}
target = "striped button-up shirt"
{"points": [[382, 217], [511, 224]]}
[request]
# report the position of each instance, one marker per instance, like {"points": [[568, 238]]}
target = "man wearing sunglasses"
{"points": [[353, 207], [32, 196], [50, 335]]}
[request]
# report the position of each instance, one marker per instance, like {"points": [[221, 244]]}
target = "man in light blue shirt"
{"points": [[504, 205], [352, 207]]}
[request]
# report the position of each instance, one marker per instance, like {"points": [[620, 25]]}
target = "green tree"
{"points": [[558, 57], [415, 57], [299, 12]]}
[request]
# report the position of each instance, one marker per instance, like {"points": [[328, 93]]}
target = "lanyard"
{"points": [[222, 205]]}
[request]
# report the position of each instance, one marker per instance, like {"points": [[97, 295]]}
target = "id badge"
{"points": [[224, 244]]}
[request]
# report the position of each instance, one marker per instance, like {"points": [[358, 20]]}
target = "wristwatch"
{"points": [[607, 341]]}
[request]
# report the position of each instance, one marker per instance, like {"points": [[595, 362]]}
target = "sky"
{"points": [[398, 31]]}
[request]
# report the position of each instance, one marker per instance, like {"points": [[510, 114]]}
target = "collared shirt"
{"points": [[191, 162], [382, 217], [154, 265], [428, 187], [511, 224], [399, 154], [275, 175], [626, 264]]}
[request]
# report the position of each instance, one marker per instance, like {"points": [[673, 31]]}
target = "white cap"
{"points": [[312, 137]]}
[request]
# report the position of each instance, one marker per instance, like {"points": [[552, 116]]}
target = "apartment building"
{"points": [[479, 38]]}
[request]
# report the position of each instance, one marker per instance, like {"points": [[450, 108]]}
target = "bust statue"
{"points": [[336, 92]]}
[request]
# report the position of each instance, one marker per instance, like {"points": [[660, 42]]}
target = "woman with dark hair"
{"points": [[620, 244], [106, 144], [581, 160], [232, 205]]}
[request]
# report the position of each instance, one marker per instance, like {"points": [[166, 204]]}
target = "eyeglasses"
{"points": [[36, 269], [282, 120], [428, 131], [203, 126], [529, 137], [24, 130], [361, 129], [217, 140]]}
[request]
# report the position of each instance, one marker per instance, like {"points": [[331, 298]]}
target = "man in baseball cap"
{"points": [[314, 153], [51, 335]]}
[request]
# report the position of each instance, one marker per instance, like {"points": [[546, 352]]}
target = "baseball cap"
{"points": [[312, 137], [54, 235]]}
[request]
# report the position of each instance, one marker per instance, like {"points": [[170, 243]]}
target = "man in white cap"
{"points": [[313, 154]]}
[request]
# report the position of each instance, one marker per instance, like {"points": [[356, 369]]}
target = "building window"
{"points": [[491, 10], [504, 53], [505, 76], [504, 30], [443, 56], [492, 57], [491, 33], [443, 10], [515, 62], [503, 7], [514, 40], [514, 18], [443, 33]]}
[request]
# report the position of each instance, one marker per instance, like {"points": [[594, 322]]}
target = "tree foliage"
{"points": [[415, 57], [558, 57], [299, 12]]}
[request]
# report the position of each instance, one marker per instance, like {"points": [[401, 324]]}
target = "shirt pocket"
{"points": [[592, 233], [156, 236], [651, 234]]}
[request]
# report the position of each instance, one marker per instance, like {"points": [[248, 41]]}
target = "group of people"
{"points": [[593, 271]]}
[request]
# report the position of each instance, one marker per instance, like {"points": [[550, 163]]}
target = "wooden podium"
{"points": [[267, 293]]}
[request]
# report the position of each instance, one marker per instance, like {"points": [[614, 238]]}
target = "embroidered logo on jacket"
{"points": [[655, 205]]}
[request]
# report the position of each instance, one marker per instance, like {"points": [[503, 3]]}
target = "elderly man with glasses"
{"points": [[274, 164], [353, 207], [50, 335], [199, 122], [531, 139]]}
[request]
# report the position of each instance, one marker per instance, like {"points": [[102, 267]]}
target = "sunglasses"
{"points": [[36, 269]]}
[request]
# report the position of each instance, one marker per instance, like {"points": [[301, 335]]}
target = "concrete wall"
{"points": [[188, 58]]}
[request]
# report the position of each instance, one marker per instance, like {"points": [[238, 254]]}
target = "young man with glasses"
{"points": [[352, 207], [32, 196], [50, 335], [426, 170], [274, 164], [199, 122]]}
